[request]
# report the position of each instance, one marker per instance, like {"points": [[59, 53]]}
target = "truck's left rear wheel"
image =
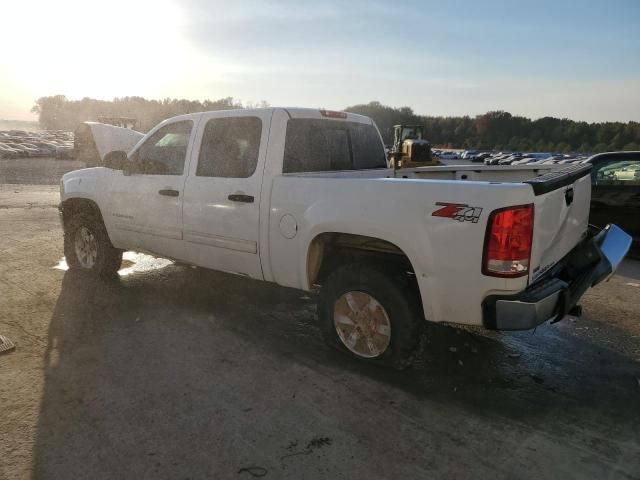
{"points": [[370, 312], [362, 324]]}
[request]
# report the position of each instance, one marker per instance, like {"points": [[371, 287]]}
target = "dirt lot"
{"points": [[174, 372], [35, 171]]}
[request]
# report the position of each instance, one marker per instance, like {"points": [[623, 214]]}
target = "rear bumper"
{"points": [[552, 297]]}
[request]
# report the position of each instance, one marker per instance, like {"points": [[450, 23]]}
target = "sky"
{"points": [[574, 59]]}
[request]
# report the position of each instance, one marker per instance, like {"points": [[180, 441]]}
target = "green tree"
{"points": [[600, 147], [493, 130]]}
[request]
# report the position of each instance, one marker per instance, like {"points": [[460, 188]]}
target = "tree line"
{"points": [[59, 113], [495, 130], [499, 130]]}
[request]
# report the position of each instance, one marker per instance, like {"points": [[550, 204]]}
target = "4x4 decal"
{"points": [[458, 211]]}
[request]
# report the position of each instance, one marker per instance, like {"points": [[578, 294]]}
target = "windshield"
{"points": [[411, 133]]}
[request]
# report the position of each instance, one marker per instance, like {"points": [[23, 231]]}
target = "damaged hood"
{"points": [[108, 138]]}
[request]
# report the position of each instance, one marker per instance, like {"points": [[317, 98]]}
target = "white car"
{"points": [[305, 198], [64, 151], [448, 156]]}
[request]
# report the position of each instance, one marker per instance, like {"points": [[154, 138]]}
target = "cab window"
{"points": [[322, 145], [230, 147], [164, 153]]}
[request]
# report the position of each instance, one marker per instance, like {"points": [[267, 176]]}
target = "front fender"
{"points": [[81, 184]]}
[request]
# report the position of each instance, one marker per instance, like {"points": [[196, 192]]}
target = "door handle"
{"points": [[240, 197], [168, 192]]}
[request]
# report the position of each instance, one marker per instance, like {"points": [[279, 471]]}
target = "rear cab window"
{"points": [[314, 145]]}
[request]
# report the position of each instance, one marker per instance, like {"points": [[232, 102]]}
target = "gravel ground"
{"points": [[35, 171], [175, 372]]}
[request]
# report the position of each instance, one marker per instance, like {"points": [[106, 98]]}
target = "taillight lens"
{"points": [[507, 244], [333, 114]]}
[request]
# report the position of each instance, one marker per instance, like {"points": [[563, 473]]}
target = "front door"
{"points": [[145, 200], [222, 194]]}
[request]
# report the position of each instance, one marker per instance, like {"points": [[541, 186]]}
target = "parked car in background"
{"points": [[45, 149], [495, 158], [30, 150], [449, 156], [64, 151], [8, 152], [17, 148], [523, 161], [538, 156], [45, 143], [510, 159], [615, 192], [569, 159], [480, 157]]}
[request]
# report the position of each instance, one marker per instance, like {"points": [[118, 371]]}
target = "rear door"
{"points": [[561, 217], [221, 212]]}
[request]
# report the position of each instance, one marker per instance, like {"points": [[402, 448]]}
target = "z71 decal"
{"points": [[458, 211]]}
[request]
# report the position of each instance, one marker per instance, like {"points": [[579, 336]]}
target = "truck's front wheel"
{"points": [[372, 313], [87, 247]]}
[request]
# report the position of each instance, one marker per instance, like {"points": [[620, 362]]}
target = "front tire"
{"points": [[371, 313], [87, 247]]}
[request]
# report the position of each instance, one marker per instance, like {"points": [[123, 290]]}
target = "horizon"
{"points": [[249, 106], [548, 59]]}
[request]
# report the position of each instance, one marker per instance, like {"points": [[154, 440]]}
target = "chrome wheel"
{"points": [[86, 247], [362, 324]]}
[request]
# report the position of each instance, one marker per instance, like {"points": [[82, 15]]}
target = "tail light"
{"points": [[507, 243], [333, 114]]}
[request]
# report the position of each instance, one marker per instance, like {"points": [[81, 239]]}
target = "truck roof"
{"points": [[293, 112]]}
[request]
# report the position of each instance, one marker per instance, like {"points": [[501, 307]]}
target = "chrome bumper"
{"points": [[614, 247], [554, 296]]}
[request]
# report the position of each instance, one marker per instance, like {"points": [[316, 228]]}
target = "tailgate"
{"points": [[561, 218]]}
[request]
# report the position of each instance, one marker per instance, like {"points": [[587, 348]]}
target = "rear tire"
{"points": [[371, 313], [87, 247]]}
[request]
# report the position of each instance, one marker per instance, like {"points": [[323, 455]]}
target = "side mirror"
{"points": [[116, 160]]}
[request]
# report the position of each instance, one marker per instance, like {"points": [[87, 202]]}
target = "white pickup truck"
{"points": [[306, 198]]}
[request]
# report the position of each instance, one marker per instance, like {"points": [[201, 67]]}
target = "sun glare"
{"points": [[79, 48]]}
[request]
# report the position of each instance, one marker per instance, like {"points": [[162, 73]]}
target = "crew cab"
{"points": [[305, 198]]}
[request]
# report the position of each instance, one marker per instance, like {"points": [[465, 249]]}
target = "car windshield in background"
{"points": [[625, 172]]}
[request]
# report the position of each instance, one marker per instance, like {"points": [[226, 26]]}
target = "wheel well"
{"points": [[330, 250], [73, 206]]}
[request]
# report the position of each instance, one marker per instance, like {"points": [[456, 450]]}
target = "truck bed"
{"points": [[472, 173], [484, 173]]}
